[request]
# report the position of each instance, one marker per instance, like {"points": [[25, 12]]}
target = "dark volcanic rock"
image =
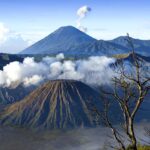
{"points": [[11, 95]]}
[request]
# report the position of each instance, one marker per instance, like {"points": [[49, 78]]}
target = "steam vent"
{"points": [[58, 104]]}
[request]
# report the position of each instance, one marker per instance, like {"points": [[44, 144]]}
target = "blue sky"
{"points": [[32, 20]]}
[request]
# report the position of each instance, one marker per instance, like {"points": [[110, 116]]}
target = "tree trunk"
{"points": [[132, 137]]}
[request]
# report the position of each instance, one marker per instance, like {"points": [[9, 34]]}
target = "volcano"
{"points": [[58, 104], [60, 41]]}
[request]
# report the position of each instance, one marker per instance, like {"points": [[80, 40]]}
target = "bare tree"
{"points": [[130, 87]]}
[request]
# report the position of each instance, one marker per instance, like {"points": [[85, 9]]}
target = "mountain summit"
{"points": [[62, 40], [73, 42], [58, 104]]}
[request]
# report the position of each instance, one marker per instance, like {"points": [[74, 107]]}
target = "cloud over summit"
{"points": [[93, 70]]}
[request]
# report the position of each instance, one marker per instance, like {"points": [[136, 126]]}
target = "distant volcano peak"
{"points": [[61, 40], [69, 27]]}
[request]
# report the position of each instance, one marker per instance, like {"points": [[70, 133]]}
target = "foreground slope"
{"points": [[56, 104], [11, 95]]}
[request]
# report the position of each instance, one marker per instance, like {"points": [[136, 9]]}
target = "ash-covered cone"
{"points": [[58, 104]]}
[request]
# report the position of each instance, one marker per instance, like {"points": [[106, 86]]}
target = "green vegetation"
{"points": [[140, 147], [145, 147], [5, 56], [121, 56]]}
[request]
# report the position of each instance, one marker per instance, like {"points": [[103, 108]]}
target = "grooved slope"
{"points": [[56, 104]]}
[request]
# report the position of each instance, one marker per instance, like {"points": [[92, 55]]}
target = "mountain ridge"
{"points": [[141, 46], [73, 42]]}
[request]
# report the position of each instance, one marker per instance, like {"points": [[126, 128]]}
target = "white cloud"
{"points": [[3, 32], [11, 42], [94, 70], [32, 80]]}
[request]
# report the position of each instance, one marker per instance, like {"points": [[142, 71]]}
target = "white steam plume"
{"points": [[81, 13], [94, 70]]}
